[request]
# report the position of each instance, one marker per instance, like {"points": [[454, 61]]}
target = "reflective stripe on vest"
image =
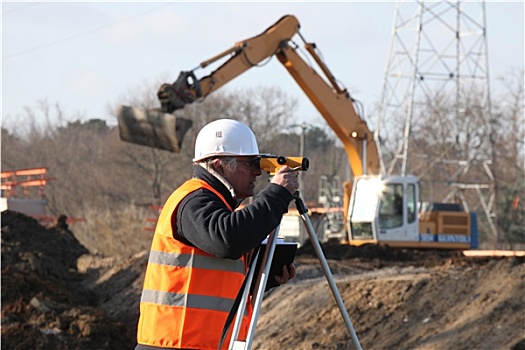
{"points": [[196, 261], [186, 300], [187, 292]]}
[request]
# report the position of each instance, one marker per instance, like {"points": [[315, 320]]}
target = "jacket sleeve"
{"points": [[205, 221]]}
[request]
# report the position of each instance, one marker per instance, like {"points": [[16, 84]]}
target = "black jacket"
{"points": [[204, 221]]}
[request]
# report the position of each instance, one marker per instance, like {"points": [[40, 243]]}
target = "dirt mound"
{"points": [[55, 295], [45, 304], [476, 305]]}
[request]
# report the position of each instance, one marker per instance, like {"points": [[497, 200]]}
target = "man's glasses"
{"points": [[252, 163]]}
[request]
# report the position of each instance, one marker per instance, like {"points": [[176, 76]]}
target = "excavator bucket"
{"points": [[152, 128]]}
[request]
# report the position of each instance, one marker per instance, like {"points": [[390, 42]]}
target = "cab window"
{"points": [[391, 207]]}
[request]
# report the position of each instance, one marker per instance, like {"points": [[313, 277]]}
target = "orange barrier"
{"points": [[24, 178], [152, 221]]}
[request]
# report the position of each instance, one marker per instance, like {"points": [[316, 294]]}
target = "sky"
{"points": [[87, 57]]}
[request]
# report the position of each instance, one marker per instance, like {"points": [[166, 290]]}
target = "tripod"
{"points": [[262, 278]]}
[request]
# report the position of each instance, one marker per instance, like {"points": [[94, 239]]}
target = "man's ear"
{"points": [[217, 166]]}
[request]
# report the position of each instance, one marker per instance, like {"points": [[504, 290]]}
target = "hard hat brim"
{"points": [[226, 154]]}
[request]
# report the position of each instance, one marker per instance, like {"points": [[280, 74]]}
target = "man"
{"points": [[200, 250]]}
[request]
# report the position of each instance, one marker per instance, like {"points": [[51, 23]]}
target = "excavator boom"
{"points": [[337, 109]]}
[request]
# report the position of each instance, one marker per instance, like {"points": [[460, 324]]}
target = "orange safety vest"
{"points": [[187, 293]]}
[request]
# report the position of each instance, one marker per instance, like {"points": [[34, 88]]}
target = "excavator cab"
{"points": [[384, 210]]}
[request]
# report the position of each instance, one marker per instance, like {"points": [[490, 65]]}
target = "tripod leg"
{"points": [[261, 286], [243, 302], [262, 279], [326, 270]]}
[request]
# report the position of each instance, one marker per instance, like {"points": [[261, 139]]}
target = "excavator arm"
{"points": [[244, 55], [334, 103], [336, 107]]}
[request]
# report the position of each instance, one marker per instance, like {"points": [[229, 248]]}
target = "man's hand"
{"points": [[286, 178], [288, 274]]}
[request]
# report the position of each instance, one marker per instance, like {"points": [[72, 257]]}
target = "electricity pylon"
{"points": [[435, 103]]}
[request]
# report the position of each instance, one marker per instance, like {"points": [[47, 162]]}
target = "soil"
{"points": [[56, 295]]}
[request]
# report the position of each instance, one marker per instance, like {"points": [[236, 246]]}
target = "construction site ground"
{"points": [[56, 295]]}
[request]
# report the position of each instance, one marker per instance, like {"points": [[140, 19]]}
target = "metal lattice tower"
{"points": [[435, 103]]}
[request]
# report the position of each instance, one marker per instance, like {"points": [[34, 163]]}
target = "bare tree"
{"points": [[509, 136]]}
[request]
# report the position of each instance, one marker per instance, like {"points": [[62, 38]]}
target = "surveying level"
{"points": [[262, 279], [270, 163]]}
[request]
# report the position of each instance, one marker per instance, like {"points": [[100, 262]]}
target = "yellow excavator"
{"points": [[377, 209]]}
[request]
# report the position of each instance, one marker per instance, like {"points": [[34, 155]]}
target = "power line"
{"points": [[77, 35], [20, 8]]}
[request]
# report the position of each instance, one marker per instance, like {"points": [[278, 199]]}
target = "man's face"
{"points": [[243, 178]]}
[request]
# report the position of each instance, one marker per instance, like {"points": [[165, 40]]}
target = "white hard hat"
{"points": [[225, 137]]}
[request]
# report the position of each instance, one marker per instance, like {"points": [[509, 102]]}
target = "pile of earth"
{"points": [[398, 299], [56, 295]]}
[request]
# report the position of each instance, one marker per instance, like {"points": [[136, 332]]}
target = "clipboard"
{"points": [[284, 254]]}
